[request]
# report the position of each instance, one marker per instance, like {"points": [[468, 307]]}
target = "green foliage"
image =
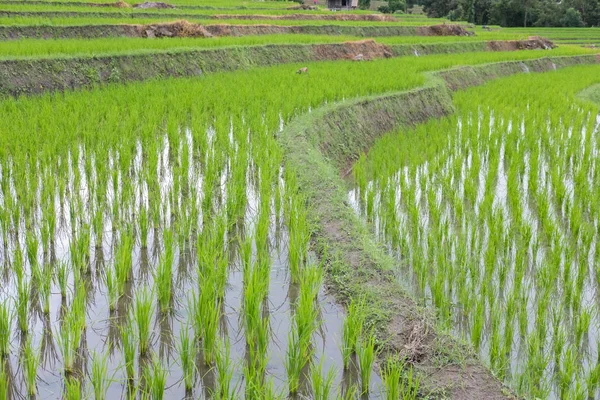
{"points": [[473, 177], [393, 6]]}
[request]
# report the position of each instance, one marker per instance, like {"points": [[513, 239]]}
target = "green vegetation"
{"points": [[491, 213], [156, 241]]}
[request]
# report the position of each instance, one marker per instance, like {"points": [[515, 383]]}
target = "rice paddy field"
{"points": [[158, 240]]}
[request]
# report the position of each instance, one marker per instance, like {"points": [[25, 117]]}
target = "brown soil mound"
{"points": [[121, 4], [443, 30], [303, 7], [173, 29], [118, 4], [363, 50], [324, 17], [151, 4], [243, 30], [512, 45]]}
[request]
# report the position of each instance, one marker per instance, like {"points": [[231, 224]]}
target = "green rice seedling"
{"points": [[69, 338], [23, 297], [225, 371], [582, 325], [163, 281], [3, 385], [322, 384], [306, 315], [45, 289], [294, 361], [6, 316], [142, 316], [99, 376], [31, 362], [123, 260], [392, 376], [62, 278], [187, 355], [112, 288], [128, 340], [211, 331], [352, 330], [156, 379], [366, 357], [72, 389], [143, 226]]}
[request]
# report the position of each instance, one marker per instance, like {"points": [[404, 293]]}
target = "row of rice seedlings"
{"points": [[448, 214]]}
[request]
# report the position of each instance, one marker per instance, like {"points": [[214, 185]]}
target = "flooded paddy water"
{"points": [[493, 216], [171, 222]]}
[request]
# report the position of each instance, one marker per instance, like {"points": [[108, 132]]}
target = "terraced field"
{"points": [[249, 199]]}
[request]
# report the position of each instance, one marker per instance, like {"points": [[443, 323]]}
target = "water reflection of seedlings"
{"points": [[23, 305], [166, 341], [48, 347], [350, 378], [30, 361], [206, 374], [129, 349], [6, 316]]}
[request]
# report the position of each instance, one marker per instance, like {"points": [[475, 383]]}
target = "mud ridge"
{"points": [[320, 146], [138, 30], [38, 75], [130, 15], [32, 76]]}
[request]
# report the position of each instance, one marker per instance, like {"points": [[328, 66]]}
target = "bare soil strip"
{"points": [[319, 147], [186, 29]]}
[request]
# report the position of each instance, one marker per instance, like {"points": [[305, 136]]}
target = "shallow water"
{"points": [[181, 192], [466, 254]]}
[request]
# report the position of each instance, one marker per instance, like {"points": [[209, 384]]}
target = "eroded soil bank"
{"points": [[186, 29], [330, 139], [31, 76]]}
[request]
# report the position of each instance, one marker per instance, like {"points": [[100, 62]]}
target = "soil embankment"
{"points": [[174, 29], [31, 76], [330, 139]]}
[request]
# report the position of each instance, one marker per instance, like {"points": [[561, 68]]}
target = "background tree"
{"points": [[364, 4], [392, 6]]}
